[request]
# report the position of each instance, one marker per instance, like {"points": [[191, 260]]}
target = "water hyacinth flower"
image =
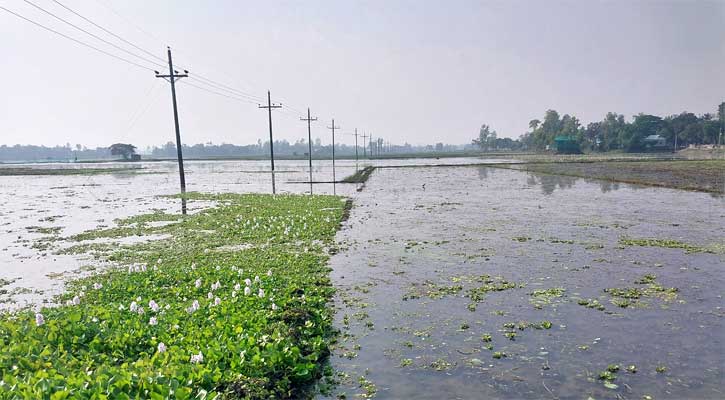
{"points": [[133, 307], [153, 306], [274, 307], [193, 266], [76, 300], [269, 272], [197, 358], [247, 291], [153, 321], [237, 287], [161, 348], [248, 282], [140, 311], [261, 293], [234, 294], [197, 283], [39, 319], [209, 295], [97, 286], [217, 301], [216, 285], [194, 306], [256, 279]]}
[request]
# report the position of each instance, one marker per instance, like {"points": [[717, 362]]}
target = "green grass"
{"points": [[254, 347]]}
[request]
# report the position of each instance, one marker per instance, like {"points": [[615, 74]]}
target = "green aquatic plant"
{"points": [[667, 243], [193, 315]]}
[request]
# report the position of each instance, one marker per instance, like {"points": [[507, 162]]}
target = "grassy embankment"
{"points": [[233, 303], [701, 175]]}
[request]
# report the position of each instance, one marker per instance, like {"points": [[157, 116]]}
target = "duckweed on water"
{"points": [[176, 320], [668, 243]]}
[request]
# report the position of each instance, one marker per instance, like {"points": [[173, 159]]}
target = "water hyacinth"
{"points": [[97, 286], [261, 293], [248, 282], [237, 287], [194, 306], [153, 321], [256, 279], [197, 358], [140, 311], [161, 348], [153, 306], [216, 285], [76, 300], [217, 301], [197, 283], [210, 295], [269, 272], [247, 291], [274, 307], [39, 319]]}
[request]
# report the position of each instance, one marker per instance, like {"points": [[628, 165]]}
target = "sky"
{"points": [[416, 71]]}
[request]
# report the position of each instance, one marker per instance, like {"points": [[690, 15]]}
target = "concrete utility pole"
{"points": [[269, 108], [372, 154], [309, 140], [172, 77], [356, 160], [333, 127], [365, 146]]}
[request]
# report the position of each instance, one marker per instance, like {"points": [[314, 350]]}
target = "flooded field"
{"points": [[49, 207], [474, 282], [453, 282]]}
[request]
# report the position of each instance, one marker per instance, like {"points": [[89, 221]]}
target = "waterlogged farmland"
{"points": [[449, 282], [475, 282]]}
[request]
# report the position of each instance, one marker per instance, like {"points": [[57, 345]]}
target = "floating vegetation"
{"points": [[441, 365], [591, 303], [632, 296], [542, 297], [667, 243], [431, 290], [176, 320], [497, 284]]}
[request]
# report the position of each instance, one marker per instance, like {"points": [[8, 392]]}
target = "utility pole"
{"points": [[172, 77], [269, 108], [365, 146], [309, 140], [356, 163], [333, 127], [372, 154]]}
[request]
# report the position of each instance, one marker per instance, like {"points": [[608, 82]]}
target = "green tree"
{"points": [[125, 150], [485, 134]]}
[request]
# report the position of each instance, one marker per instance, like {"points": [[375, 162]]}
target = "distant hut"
{"points": [[567, 145], [655, 143]]}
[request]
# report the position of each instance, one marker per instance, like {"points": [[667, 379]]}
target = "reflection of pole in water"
{"points": [[183, 204]]}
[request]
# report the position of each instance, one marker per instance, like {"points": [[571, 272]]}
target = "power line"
{"points": [[109, 32], [76, 40], [217, 93], [92, 34]]}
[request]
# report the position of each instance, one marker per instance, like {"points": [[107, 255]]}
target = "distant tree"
{"points": [[125, 150], [485, 134]]}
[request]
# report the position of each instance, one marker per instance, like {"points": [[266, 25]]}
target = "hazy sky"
{"points": [[416, 71]]}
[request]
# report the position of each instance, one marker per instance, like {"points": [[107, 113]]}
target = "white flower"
{"points": [[217, 301], [39, 320], [247, 291], [218, 268], [133, 307], [153, 306], [161, 347], [121, 307], [193, 265], [153, 321], [237, 286], [269, 272], [158, 261], [197, 283], [140, 311], [194, 306], [97, 286], [261, 293], [76, 300], [197, 358], [256, 279], [248, 282], [209, 295], [138, 298], [274, 307], [216, 285], [94, 319], [234, 294]]}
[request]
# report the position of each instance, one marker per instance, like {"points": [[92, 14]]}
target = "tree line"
{"points": [[614, 132]]}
